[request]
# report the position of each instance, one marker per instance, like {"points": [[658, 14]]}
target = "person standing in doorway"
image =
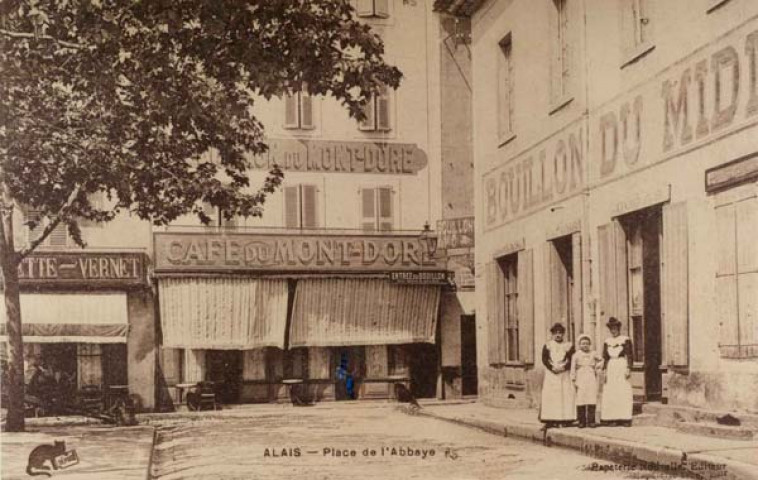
{"points": [[616, 403], [584, 369], [557, 408]]}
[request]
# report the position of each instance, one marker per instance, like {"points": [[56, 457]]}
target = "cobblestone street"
{"points": [[351, 441]]}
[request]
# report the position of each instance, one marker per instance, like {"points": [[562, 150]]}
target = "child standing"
{"points": [[584, 368]]}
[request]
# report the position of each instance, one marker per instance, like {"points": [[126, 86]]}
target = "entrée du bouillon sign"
{"points": [[273, 252]]}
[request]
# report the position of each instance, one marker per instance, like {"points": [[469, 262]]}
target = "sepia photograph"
{"points": [[379, 239]]}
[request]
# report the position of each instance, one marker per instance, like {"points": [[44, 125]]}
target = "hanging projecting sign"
{"points": [[341, 157], [455, 233], [214, 252]]}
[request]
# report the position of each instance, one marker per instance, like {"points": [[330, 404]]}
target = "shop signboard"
{"points": [[89, 269]]}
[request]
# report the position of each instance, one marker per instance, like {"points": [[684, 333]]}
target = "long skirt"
{"points": [[586, 386], [557, 398], [616, 403]]}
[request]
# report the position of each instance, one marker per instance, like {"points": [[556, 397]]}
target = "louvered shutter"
{"points": [[726, 280], [306, 111], [381, 8], [383, 110], [364, 8], [747, 275], [31, 215], [368, 209], [384, 207], [548, 284], [292, 207], [369, 111], [576, 293], [675, 301], [621, 276], [290, 111], [526, 306], [504, 91], [555, 51], [493, 313], [310, 208], [59, 236], [606, 277]]}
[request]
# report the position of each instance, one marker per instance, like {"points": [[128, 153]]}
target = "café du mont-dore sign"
{"points": [[239, 252]]}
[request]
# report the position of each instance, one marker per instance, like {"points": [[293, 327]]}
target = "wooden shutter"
{"points": [[364, 8], [383, 110], [555, 51], [290, 111], [726, 280], [675, 301], [576, 267], [526, 305], [746, 216], [381, 8], [370, 111], [504, 89], [368, 209], [384, 207], [494, 305], [309, 206], [612, 276], [292, 206], [306, 111], [59, 236]]}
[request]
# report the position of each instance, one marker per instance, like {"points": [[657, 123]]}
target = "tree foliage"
{"points": [[126, 97]]}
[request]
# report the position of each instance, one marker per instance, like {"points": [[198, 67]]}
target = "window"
{"points": [[636, 29], [59, 237], [372, 8], [377, 112], [217, 217], [376, 209], [300, 209], [505, 91], [737, 277], [560, 55], [510, 309], [298, 111]]}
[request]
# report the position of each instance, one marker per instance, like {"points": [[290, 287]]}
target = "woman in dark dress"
{"points": [[557, 405]]}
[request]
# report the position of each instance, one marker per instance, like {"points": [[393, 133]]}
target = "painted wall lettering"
{"points": [[83, 268]]}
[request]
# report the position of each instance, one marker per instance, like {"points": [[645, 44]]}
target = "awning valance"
{"points": [[336, 312], [223, 312], [71, 317]]}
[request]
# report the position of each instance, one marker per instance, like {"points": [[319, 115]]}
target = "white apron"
{"points": [[616, 402], [557, 403], [583, 372]]}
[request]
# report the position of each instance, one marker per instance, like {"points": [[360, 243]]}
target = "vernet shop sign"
{"points": [[213, 252]]}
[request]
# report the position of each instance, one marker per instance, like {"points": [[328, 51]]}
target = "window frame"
{"points": [[300, 99], [636, 27], [376, 218], [373, 112], [370, 9], [301, 208], [505, 90], [561, 71]]}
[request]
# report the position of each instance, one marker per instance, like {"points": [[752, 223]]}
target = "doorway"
{"points": [[469, 378], [643, 231], [349, 372], [224, 369], [423, 362], [562, 285]]}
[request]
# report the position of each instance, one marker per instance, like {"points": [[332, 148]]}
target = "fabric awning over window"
{"points": [[72, 317], [223, 313], [336, 312]]}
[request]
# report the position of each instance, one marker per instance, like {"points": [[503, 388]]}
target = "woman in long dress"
{"points": [[557, 405], [616, 403]]}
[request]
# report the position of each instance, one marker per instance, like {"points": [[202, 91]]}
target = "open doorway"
{"points": [[350, 371], [468, 355], [224, 369], [643, 230]]}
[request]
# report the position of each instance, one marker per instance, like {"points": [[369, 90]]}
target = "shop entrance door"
{"points": [[643, 233], [424, 361], [224, 369], [350, 370], [468, 355]]}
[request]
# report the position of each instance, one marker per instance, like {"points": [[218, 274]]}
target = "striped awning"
{"points": [[71, 317], [222, 313], [341, 311]]}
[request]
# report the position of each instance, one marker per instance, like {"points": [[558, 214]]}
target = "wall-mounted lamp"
{"points": [[428, 239]]}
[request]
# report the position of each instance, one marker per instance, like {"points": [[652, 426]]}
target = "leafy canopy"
{"points": [[127, 97]]}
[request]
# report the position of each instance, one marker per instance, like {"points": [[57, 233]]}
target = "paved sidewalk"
{"points": [[658, 447], [104, 452]]}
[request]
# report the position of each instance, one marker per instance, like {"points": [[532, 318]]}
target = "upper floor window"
{"points": [[505, 91], [372, 8], [298, 111], [377, 112], [636, 29], [376, 209], [300, 207], [59, 237], [560, 61], [218, 219]]}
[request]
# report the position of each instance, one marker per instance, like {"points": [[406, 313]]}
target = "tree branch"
{"points": [[55, 220], [32, 36]]}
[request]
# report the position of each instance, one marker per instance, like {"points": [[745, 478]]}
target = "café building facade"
{"points": [[615, 164], [254, 311]]}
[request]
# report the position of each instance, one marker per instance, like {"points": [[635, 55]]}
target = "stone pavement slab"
{"points": [[705, 456], [104, 452]]}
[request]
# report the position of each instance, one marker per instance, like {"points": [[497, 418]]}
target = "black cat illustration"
{"points": [[42, 454]]}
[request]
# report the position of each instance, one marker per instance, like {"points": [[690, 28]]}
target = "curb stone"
{"points": [[699, 465]]}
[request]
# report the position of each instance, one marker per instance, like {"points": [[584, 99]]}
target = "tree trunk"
{"points": [[9, 265]]}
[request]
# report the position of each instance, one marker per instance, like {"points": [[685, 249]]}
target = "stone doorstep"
{"points": [[670, 415], [715, 430], [615, 450]]}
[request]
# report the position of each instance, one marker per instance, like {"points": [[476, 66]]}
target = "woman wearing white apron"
{"points": [[557, 406], [616, 403]]}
